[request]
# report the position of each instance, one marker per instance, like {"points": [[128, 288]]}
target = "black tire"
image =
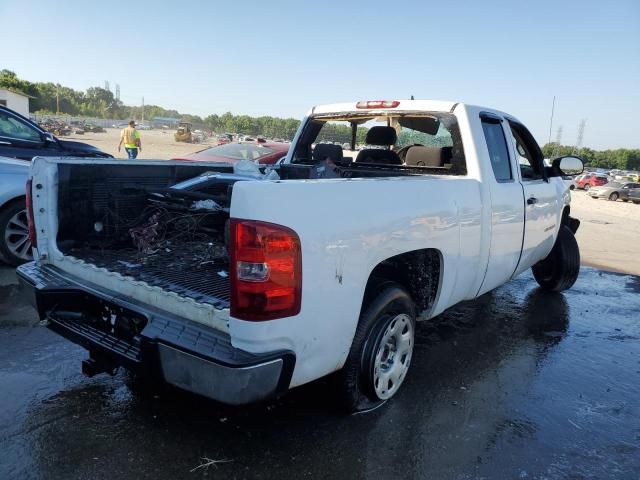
{"points": [[355, 382], [8, 214], [559, 271], [614, 196], [572, 187], [637, 202], [586, 187]]}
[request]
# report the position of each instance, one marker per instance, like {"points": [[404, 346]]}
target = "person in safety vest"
{"points": [[130, 136]]}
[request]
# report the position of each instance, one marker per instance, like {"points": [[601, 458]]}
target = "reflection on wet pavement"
{"points": [[520, 383]]}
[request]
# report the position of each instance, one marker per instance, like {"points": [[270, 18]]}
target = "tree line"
{"points": [[620, 158], [99, 102]]}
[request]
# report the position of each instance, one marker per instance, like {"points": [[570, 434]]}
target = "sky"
{"points": [[281, 58]]}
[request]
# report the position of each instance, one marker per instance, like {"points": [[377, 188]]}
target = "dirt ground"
{"points": [[608, 235], [156, 144]]}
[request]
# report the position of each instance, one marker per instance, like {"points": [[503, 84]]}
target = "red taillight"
{"points": [[266, 271], [378, 104], [30, 223]]}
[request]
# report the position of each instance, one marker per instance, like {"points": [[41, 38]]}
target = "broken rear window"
{"points": [[411, 141]]}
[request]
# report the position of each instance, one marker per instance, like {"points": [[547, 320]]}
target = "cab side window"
{"points": [[498, 151], [528, 153], [13, 127]]}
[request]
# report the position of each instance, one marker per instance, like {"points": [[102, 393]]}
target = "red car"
{"points": [[591, 180], [262, 151]]}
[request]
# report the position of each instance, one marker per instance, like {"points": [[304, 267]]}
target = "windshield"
{"points": [[238, 151]]}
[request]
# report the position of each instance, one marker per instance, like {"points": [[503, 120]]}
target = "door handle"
{"points": [[532, 201]]}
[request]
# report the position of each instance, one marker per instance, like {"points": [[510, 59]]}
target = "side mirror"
{"points": [[568, 165], [48, 137]]}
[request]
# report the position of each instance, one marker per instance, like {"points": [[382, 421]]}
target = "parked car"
{"points": [[261, 151], [634, 195], [248, 287], [591, 180], [613, 191], [22, 138], [15, 247]]}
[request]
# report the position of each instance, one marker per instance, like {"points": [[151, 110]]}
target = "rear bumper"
{"points": [[123, 332]]}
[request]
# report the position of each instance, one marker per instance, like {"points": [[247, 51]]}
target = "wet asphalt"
{"points": [[518, 384]]}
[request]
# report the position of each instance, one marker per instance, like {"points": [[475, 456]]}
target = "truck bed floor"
{"points": [[183, 269]]}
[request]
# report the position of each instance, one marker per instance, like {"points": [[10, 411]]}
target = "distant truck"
{"points": [[240, 286]]}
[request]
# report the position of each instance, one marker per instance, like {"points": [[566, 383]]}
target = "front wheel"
{"points": [[15, 247], [586, 187], [614, 196], [559, 271], [381, 351]]}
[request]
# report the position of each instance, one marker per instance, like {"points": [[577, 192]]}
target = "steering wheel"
{"points": [[402, 153]]}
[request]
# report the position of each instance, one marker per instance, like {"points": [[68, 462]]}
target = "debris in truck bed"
{"points": [[194, 269], [206, 205], [144, 236]]}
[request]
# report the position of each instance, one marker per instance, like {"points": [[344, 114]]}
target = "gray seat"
{"points": [[322, 151], [384, 137], [419, 156]]}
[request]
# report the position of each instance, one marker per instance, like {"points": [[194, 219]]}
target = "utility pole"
{"points": [[578, 146], [117, 92], [553, 106], [556, 148], [57, 99], [142, 111]]}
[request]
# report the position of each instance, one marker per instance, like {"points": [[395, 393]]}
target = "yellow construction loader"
{"points": [[184, 133]]}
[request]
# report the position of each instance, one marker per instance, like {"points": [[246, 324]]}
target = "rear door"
{"points": [[507, 203], [541, 199]]}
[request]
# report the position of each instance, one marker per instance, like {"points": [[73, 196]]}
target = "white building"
{"points": [[15, 101]]}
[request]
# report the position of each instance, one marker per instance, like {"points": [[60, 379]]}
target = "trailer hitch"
{"points": [[97, 363]]}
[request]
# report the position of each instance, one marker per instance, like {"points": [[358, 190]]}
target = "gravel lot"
{"points": [[609, 233]]}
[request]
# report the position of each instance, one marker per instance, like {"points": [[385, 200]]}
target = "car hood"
{"points": [[83, 149]]}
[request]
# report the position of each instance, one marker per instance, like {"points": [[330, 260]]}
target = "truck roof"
{"points": [[402, 105]]}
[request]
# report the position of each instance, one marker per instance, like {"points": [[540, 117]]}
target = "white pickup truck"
{"points": [[242, 285]]}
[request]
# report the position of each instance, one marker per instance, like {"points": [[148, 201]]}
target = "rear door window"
{"points": [[498, 151]]}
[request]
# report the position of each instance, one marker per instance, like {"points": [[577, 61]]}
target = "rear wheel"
{"points": [[15, 247], [614, 196], [559, 271], [381, 351], [587, 187]]}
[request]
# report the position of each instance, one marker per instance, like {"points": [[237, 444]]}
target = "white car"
{"points": [[241, 286]]}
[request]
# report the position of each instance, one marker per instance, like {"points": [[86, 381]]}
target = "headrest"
{"points": [[428, 156], [324, 150], [381, 136]]}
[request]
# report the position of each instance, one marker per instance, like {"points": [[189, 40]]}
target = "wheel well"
{"points": [[565, 215], [418, 271], [11, 202]]}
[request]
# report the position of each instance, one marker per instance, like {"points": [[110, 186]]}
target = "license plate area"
{"points": [[99, 314]]}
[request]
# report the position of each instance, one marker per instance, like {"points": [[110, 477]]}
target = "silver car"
{"points": [[15, 247], [613, 191]]}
